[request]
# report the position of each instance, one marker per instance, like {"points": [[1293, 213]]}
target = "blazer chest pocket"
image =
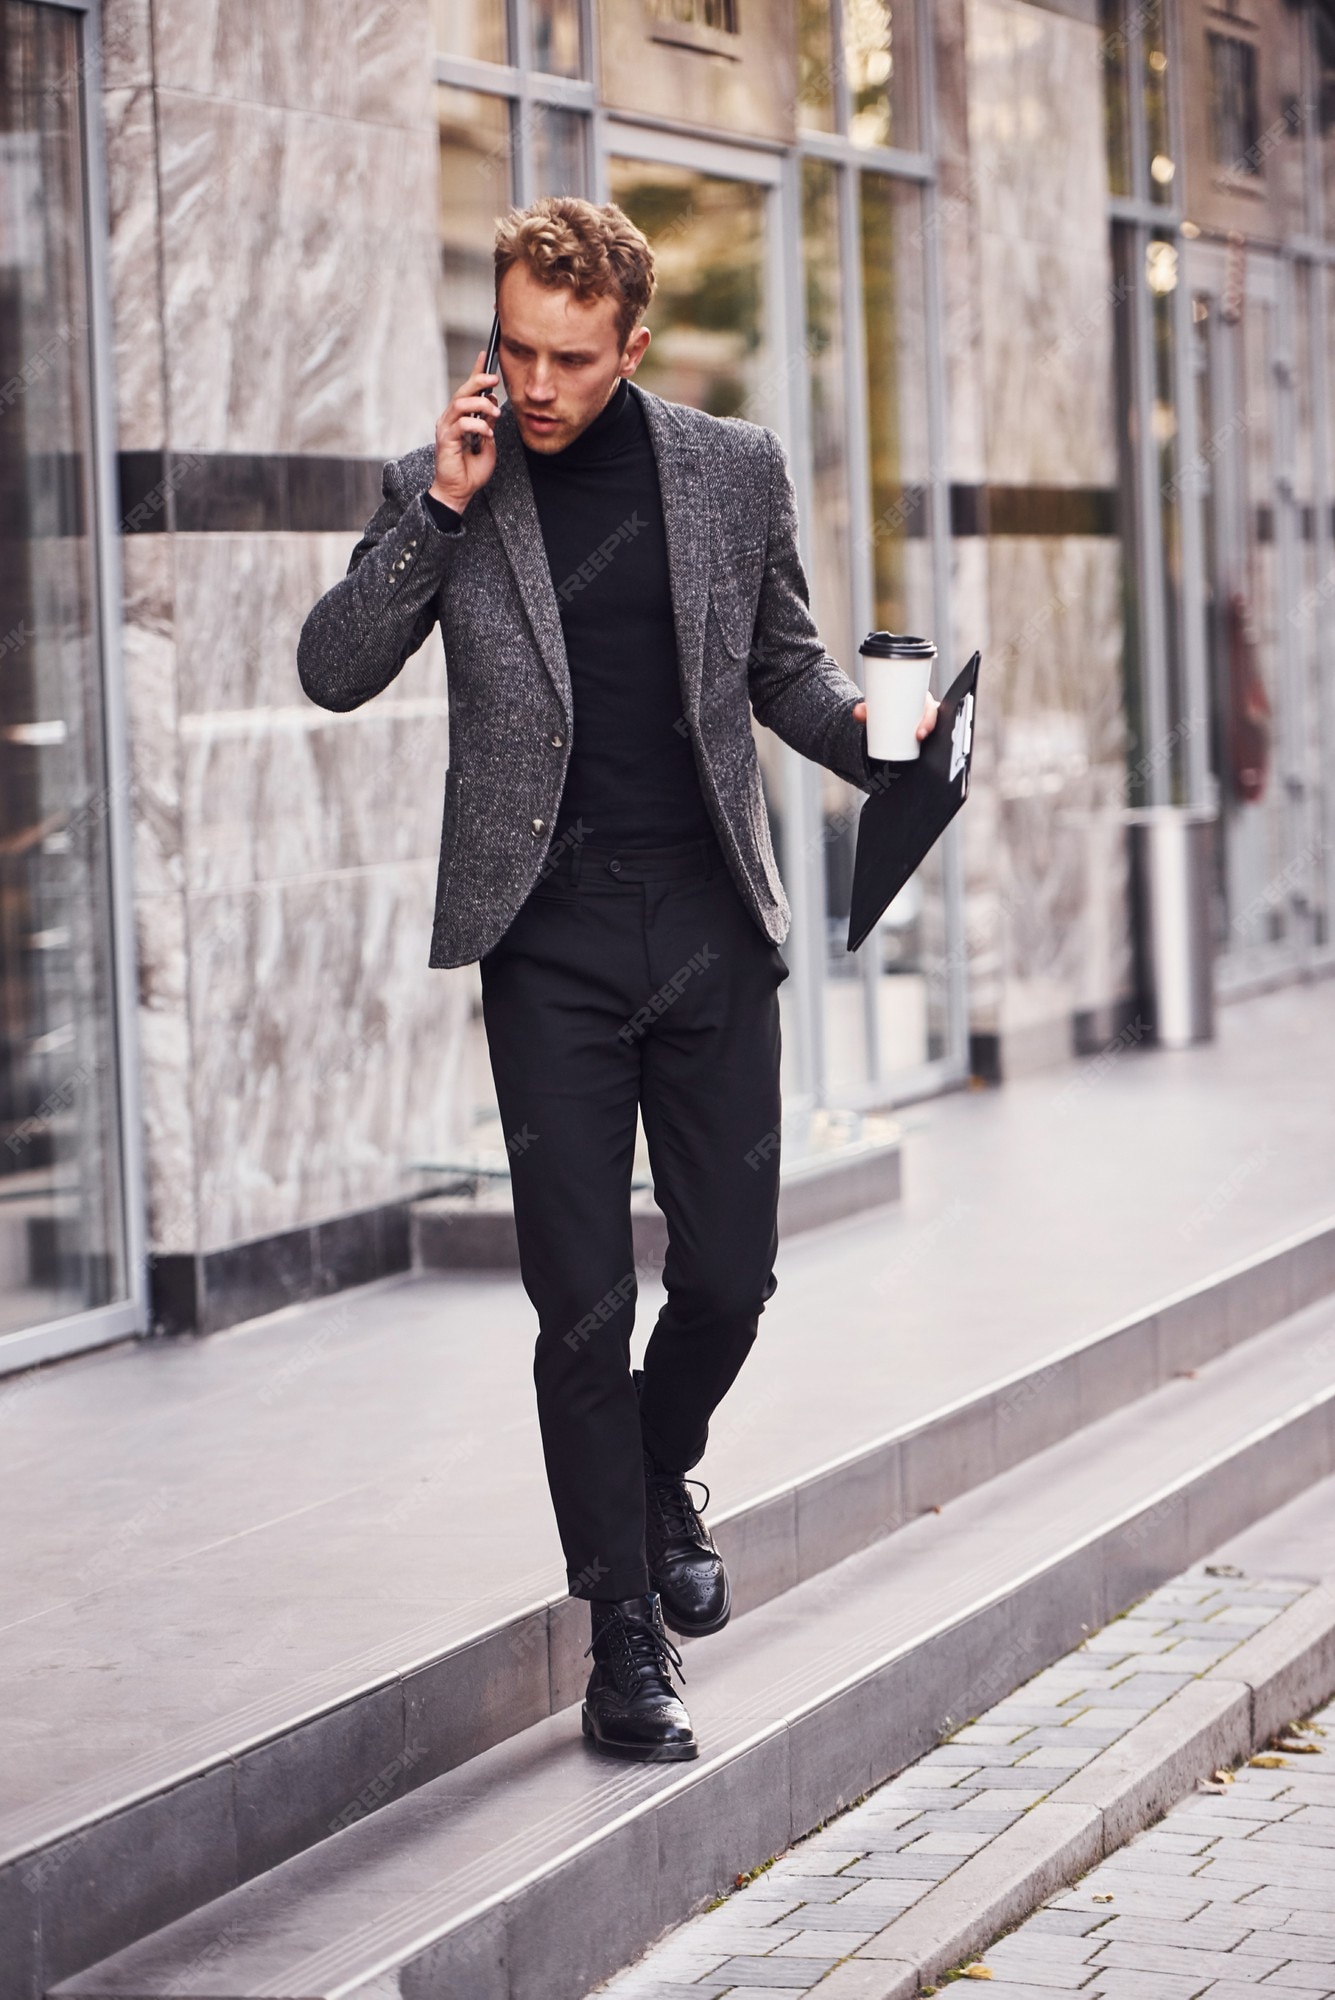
{"points": [[734, 590]]}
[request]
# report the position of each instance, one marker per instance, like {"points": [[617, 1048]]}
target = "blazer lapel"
{"points": [[686, 519], [509, 495]]}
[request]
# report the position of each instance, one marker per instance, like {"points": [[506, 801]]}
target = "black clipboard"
{"points": [[911, 808]]}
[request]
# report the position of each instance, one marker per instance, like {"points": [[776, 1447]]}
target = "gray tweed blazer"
{"points": [[745, 638]]}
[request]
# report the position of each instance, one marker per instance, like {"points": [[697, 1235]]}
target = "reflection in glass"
{"points": [[557, 151], [1116, 109], [472, 28], [709, 347], [879, 59], [61, 1199], [815, 66], [1323, 30], [911, 967], [556, 37], [475, 187], [1235, 352], [893, 336], [1158, 165]]}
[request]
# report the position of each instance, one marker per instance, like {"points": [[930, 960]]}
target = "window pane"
{"points": [[709, 347], [1324, 31], [910, 970], [1235, 121], [1116, 110], [475, 187], [1162, 168], [61, 1222], [879, 57], [472, 28], [893, 334], [558, 151], [815, 66], [556, 37]]}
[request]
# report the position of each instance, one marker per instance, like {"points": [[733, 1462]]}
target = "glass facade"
{"points": [[63, 1202], [1224, 242]]}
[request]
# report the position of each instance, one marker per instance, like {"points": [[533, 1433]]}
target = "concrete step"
{"points": [[473, 1229], [255, 1786], [537, 1869]]}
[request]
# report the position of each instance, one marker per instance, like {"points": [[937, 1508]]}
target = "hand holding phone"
{"points": [[464, 429], [489, 368]]}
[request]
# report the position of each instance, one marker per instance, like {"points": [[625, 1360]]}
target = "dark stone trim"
{"points": [[1033, 510], [245, 493], [206, 1291], [210, 493]]}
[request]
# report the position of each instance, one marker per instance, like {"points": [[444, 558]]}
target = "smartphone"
{"points": [[489, 368]]}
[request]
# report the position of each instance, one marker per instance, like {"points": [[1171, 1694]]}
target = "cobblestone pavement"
{"points": [[1233, 1893]]}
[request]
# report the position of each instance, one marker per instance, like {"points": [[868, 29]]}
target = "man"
{"points": [[618, 586]]}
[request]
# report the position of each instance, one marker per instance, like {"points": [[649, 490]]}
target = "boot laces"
{"points": [[677, 1512], [637, 1650]]}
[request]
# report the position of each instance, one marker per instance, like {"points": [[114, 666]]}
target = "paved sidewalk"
{"points": [[1233, 1893]]}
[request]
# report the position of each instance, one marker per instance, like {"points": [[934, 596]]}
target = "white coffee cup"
{"points": [[896, 673]]}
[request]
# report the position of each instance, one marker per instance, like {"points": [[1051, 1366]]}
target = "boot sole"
{"points": [[668, 1753], [685, 1631]]}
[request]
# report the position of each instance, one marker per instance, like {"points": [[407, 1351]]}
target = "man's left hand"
{"points": [[926, 722]]}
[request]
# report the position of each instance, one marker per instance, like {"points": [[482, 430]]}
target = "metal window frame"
{"points": [[101, 1325]]}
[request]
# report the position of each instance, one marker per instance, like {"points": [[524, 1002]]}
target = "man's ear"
{"points": [[635, 350]]}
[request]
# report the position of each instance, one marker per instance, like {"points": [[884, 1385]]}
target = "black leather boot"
{"points": [[630, 1706], [684, 1566]]}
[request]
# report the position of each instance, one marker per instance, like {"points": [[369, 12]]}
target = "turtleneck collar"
{"points": [[605, 437]]}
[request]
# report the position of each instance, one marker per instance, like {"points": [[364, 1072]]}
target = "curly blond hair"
{"points": [[598, 252]]}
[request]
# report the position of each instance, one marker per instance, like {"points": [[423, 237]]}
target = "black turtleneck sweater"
{"points": [[631, 778]]}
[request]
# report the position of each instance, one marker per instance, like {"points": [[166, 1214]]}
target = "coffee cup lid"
{"points": [[897, 646]]}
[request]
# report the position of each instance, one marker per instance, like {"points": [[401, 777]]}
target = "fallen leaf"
{"points": [[1222, 1777], [1300, 1748], [1105, 1899], [976, 1972], [1184, 1374], [931, 1510], [1204, 1785], [1223, 1569], [1266, 1763]]}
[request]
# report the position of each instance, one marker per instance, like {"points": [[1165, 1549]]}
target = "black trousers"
{"points": [[635, 980]]}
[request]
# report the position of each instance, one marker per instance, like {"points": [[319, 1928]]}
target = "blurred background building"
{"points": [[1039, 299]]}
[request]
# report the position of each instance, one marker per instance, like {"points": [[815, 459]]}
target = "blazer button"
{"points": [[539, 825], [557, 742]]}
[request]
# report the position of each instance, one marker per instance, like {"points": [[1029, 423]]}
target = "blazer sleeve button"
{"points": [[539, 825]]}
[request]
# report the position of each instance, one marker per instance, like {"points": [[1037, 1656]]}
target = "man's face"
{"points": [[560, 357]]}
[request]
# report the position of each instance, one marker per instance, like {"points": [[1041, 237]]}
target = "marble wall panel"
{"points": [[132, 262], [127, 43], [166, 1082], [326, 1054], [1046, 379], [241, 601], [299, 271], [148, 653], [366, 59], [1059, 776], [270, 796], [1044, 278]]}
